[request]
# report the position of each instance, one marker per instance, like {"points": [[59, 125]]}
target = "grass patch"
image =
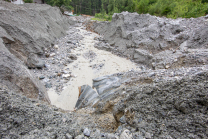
{"points": [[98, 19]]}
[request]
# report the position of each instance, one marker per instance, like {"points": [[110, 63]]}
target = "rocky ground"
{"points": [[72, 62], [47, 60]]}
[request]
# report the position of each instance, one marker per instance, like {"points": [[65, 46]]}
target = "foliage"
{"points": [[28, 1], [98, 19], [102, 17], [60, 3], [168, 8]]}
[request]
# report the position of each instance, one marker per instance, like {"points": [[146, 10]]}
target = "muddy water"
{"points": [[91, 63]]}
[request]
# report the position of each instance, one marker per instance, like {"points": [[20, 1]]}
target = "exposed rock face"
{"points": [[26, 31], [155, 42]]}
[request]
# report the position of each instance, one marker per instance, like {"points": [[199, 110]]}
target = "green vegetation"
{"points": [[28, 1], [66, 4], [104, 9], [98, 19], [103, 16]]}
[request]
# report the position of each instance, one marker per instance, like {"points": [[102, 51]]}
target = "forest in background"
{"points": [[106, 8]]}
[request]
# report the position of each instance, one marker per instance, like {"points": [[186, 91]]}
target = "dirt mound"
{"points": [[167, 99], [154, 41], [26, 32]]}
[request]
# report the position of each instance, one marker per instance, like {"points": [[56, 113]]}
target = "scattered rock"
{"points": [[41, 77], [66, 75], [56, 47], [111, 136], [52, 54], [123, 119], [68, 136], [126, 134], [148, 135], [47, 54], [72, 56], [80, 137], [86, 132]]}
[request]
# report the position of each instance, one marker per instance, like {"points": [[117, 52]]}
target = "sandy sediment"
{"points": [[91, 63]]}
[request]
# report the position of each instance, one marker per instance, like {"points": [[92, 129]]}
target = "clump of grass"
{"points": [[98, 19]]}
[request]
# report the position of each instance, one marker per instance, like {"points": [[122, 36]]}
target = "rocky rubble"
{"points": [[166, 98], [26, 32], [56, 58], [153, 41]]}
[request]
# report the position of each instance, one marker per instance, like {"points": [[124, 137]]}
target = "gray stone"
{"points": [[138, 136], [148, 135], [111, 136], [123, 119], [48, 85], [86, 132], [41, 77], [34, 62], [68, 136], [126, 134], [72, 56], [151, 74], [80, 137]]}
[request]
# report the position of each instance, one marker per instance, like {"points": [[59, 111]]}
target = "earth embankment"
{"points": [[26, 32]]}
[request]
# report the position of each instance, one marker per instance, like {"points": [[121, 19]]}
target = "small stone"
{"points": [[151, 74], [68, 136], [72, 56], [167, 66], [102, 135], [126, 135], [47, 55], [86, 132], [52, 54], [48, 85], [66, 75], [47, 65], [168, 137], [56, 46], [79, 137], [58, 74], [41, 77], [138, 136], [123, 119], [148, 135], [55, 109], [111, 136]]}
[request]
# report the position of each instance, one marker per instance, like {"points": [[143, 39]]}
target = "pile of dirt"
{"points": [[26, 32], [156, 42], [168, 98]]}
